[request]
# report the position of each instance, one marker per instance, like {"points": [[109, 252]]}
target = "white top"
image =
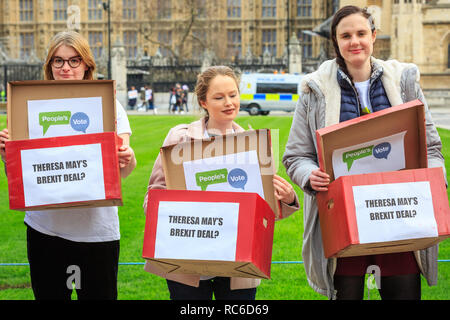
{"points": [[82, 224], [132, 94], [363, 92], [148, 94]]}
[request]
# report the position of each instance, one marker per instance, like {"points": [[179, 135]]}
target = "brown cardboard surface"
{"points": [[209, 268], [259, 140], [253, 243], [408, 117], [389, 247], [19, 92]]}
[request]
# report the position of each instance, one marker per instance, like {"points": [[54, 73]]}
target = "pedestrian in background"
{"points": [[149, 99], [132, 97], [185, 97]]}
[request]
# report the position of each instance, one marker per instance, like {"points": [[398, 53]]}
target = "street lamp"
{"points": [[107, 7]]}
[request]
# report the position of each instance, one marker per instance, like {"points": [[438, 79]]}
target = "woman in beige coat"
{"points": [[218, 93]]}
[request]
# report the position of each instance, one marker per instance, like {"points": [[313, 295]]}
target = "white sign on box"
{"points": [[64, 117], [394, 211], [380, 155], [237, 172], [197, 230], [62, 174]]}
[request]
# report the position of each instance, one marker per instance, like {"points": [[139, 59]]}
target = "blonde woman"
{"points": [[217, 92]]}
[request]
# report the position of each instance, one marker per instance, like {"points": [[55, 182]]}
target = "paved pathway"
{"points": [[440, 115]]}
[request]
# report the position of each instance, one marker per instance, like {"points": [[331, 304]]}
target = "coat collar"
{"points": [[324, 84], [197, 128]]}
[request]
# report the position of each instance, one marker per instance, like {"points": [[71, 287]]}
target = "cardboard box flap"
{"points": [[409, 117], [208, 268], [164, 265], [248, 270], [173, 156], [20, 92]]}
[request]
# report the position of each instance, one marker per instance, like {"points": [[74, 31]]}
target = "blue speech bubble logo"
{"points": [[237, 178], [79, 121], [382, 150]]}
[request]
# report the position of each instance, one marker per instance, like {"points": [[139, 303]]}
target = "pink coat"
{"points": [[178, 134]]}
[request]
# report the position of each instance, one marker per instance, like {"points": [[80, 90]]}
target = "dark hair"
{"points": [[338, 16]]}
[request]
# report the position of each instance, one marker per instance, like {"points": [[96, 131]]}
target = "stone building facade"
{"points": [[409, 30], [181, 28]]}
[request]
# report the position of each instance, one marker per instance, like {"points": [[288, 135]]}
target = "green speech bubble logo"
{"points": [[204, 179], [350, 156], [47, 119]]}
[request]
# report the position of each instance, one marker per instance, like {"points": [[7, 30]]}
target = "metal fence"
{"points": [[18, 72]]}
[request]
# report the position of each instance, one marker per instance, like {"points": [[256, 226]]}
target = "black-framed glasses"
{"points": [[58, 62]]}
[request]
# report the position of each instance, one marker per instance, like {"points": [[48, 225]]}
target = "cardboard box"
{"points": [[209, 233], [62, 172], [349, 224], [395, 220], [55, 123], [21, 92], [229, 155]]}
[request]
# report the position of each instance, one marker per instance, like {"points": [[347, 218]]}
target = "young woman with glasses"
{"points": [[60, 241]]}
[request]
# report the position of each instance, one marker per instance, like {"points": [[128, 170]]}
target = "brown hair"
{"points": [[204, 79], [79, 44], [338, 16]]}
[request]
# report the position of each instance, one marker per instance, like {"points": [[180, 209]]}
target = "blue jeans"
{"points": [[219, 286]]}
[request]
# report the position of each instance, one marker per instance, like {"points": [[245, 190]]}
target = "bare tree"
{"points": [[182, 30]]}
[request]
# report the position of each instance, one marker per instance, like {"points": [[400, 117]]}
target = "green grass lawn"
{"points": [[288, 279]]}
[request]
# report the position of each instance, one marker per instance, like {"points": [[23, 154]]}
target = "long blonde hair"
{"points": [[79, 44]]}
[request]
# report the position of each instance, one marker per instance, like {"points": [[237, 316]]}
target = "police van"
{"points": [[265, 92]]}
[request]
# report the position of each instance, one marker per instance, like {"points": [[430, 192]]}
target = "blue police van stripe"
{"points": [[286, 97], [259, 96]]}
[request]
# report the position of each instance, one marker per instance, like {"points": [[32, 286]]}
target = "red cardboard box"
{"points": [[209, 233], [358, 214], [339, 219], [46, 173], [68, 168]]}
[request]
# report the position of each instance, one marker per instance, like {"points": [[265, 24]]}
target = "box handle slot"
{"points": [[265, 223]]}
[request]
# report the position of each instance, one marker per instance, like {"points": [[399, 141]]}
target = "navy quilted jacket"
{"points": [[350, 107]]}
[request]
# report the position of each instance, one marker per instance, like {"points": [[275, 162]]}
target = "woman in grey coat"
{"points": [[333, 94]]}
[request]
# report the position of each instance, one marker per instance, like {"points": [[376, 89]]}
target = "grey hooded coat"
{"points": [[318, 107]]}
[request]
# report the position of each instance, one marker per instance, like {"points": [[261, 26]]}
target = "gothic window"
{"points": [[234, 43], [129, 9], [130, 43], [26, 44], [269, 8], [304, 8], [234, 8], [26, 10], [96, 43], [59, 10], [269, 41], [95, 9]]}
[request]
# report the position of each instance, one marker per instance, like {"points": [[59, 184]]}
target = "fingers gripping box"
{"points": [[382, 197], [209, 233]]}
